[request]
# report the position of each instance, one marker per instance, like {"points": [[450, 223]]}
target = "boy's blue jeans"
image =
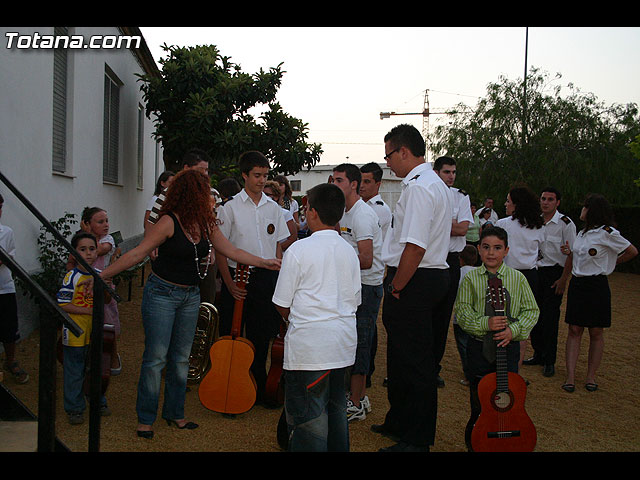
{"points": [[316, 410], [169, 317], [73, 379]]}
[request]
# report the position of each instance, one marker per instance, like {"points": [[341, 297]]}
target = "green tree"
{"points": [[571, 141], [202, 100], [635, 149]]}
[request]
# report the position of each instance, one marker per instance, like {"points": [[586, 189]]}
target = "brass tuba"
{"points": [[206, 331]]}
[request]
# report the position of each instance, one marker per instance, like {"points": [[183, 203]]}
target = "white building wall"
{"points": [[26, 98], [26, 118]]}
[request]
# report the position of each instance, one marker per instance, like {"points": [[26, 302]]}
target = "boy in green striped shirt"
{"points": [[475, 314]]}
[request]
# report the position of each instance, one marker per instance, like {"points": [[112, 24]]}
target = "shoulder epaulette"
{"points": [[379, 202], [414, 177], [462, 192], [565, 219], [608, 229]]}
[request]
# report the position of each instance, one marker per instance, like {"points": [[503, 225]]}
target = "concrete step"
{"points": [[18, 436]]}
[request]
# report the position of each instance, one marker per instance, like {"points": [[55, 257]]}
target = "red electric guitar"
{"points": [[503, 424]]}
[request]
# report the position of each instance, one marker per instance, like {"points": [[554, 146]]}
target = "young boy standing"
{"points": [[318, 293], [254, 223], [76, 299], [476, 317]]}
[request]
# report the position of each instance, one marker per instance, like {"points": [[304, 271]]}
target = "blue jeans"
{"points": [[316, 410], [169, 317], [74, 365], [366, 317]]}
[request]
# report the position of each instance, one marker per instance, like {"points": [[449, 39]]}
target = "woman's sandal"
{"points": [[591, 387], [569, 387]]}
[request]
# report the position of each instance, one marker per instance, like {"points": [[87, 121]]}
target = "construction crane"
{"points": [[426, 113]]}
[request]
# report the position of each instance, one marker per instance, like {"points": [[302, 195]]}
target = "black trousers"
{"points": [[411, 346], [260, 319], [445, 309], [544, 336]]}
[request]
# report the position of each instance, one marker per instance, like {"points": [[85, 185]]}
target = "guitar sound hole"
{"points": [[502, 400]]}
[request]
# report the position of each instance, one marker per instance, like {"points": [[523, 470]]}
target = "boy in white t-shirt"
{"points": [[317, 294]]}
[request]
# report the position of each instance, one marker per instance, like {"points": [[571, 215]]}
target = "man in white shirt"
{"points": [[317, 293], [415, 252], [370, 193], [488, 203], [554, 269], [253, 222], [360, 227], [446, 169]]}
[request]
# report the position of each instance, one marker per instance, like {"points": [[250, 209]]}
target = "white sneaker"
{"points": [[355, 413], [366, 404]]}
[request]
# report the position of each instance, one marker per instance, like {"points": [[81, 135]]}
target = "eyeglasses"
{"points": [[386, 157]]}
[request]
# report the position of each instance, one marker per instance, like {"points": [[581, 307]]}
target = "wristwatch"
{"points": [[391, 289]]}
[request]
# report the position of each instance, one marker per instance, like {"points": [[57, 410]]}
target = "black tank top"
{"points": [[176, 260]]}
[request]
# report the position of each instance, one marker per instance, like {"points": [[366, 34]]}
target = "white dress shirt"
{"points": [[256, 229], [422, 216], [595, 252], [525, 244], [461, 213], [557, 231], [383, 211]]}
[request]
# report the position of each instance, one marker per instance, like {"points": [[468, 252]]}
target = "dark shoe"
{"points": [[535, 360], [383, 430], [549, 370], [404, 447], [76, 418], [591, 387], [385, 381], [440, 381], [569, 387], [148, 434], [187, 425]]}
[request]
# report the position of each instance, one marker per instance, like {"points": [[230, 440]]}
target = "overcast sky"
{"points": [[339, 79]]}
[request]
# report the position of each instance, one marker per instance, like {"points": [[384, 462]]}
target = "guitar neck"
{"points": [[242, 278], [502, 373]]}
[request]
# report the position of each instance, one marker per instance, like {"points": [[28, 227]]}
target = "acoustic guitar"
{"points": [[503, 424], [274, 387], [229, 386]]}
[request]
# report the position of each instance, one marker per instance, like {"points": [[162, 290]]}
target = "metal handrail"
{"points": [[48, 338]]}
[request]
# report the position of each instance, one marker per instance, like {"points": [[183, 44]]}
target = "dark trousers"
{"points": [[544, 336], [444, 310], [259, 317], [478, 366], [411, 366]]}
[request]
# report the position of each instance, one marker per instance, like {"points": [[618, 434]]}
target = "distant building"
{"points": [[306, 179]]}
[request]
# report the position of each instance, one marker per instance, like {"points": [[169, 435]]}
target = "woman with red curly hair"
{"points": [[185, 233]]}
